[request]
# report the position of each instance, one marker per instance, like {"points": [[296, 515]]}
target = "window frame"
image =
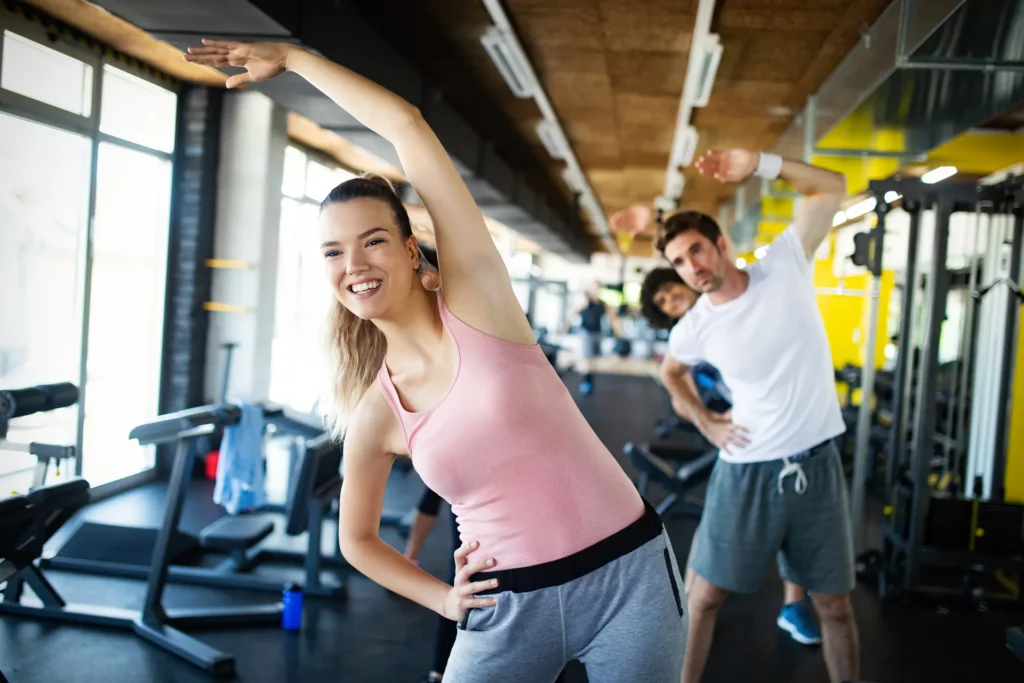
{"points": [[65, 42], [323, 159], [39, 28]]}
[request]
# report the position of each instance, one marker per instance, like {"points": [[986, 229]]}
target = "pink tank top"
{"points": [[526, 475]]}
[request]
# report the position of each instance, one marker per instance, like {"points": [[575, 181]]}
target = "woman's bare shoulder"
{"points": [[373, 426]]}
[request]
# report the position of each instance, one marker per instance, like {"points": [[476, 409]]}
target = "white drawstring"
{"points": [[801, 478]]}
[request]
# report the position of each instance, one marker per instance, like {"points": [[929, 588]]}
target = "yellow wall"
{"points": [[979, 152], [846, 316]]}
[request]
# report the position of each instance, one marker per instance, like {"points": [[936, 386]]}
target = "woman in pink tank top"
{"points": [[560, 557]]}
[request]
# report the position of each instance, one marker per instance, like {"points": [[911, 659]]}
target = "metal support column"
{"points": [[840, 152], [906, 10], [810, 126], [531, 297], [177, 488], [967, 353], [904, 365], [924, 416], [86, 264], [867, 390], [1009, 355], [982, 66]]}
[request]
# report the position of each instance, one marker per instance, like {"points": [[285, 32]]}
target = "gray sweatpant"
{"points": [[624, 621]]}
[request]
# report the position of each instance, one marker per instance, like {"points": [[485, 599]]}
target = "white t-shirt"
{"points": [[771, 348]]}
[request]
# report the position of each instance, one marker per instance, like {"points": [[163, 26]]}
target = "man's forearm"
{"points": [[823, 193], [812, 180], [685, 400]]}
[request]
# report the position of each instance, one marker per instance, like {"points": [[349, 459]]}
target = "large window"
{"points": [[82, 301], [44, 192], [303, 295], [126, 313], [46, 75]]}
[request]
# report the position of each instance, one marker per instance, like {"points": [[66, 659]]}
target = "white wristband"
{"points": [[768, 165]]}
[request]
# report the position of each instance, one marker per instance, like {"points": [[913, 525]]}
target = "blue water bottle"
{"points": [[291, 615]]}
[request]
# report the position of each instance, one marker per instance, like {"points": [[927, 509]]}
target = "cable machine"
{"points": [[948, 529]]}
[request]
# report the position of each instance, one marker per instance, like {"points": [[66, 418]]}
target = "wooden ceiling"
{"points": [[614, 72]]}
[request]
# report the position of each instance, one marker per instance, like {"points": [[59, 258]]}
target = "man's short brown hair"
{"points": [[684, 221]]}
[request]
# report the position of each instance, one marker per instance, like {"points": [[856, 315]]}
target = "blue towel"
{"points": [[240, 465]]}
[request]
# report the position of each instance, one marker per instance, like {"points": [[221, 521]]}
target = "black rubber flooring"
{"points": [[376, 636]]}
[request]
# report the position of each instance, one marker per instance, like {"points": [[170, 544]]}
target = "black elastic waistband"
{"points": [[566, 569], [811, 452]]}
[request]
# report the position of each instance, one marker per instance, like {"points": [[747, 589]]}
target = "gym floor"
{"points": [[377, 636]]}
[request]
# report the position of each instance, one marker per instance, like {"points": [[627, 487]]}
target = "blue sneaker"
{"points": [[586, 388], [798, 621]]}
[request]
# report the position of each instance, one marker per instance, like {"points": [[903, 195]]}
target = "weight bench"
{"points": [[50, 507], [235, 535], [313, 486], [651, 460], [16, 526]]}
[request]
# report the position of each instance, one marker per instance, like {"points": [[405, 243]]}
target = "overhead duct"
{"points": [[337, 30], [561, 146], [865, 72], [926, 71], [701, 68]]}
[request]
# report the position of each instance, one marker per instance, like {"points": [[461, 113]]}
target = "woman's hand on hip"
{"points": [[462, 596]]}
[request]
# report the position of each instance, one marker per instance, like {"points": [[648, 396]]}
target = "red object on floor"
{"points": [[211, 464]]}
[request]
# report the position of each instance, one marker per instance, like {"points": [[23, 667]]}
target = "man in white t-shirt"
{"points": [[778, 487]]}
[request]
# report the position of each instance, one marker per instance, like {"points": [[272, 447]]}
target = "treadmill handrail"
{"points": [[293, 423], [172, 426]]}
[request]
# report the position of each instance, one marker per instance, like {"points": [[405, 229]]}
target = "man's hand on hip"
{"points": [[718, 428]]}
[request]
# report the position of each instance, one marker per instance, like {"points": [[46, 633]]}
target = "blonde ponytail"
{"points": [[355, 353]]}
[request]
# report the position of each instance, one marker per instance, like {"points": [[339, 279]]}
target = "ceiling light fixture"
{"points": [[553, 140], [572, 179], [684, 147], [504, 48], [665, 204], [701, 68], [938, 174], [507, 62], [675, 183], [861, 208], [710, 56]]}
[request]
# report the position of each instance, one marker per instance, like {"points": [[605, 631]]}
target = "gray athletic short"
{"points": [[624, 621], [747, 521], [590, 344]]}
